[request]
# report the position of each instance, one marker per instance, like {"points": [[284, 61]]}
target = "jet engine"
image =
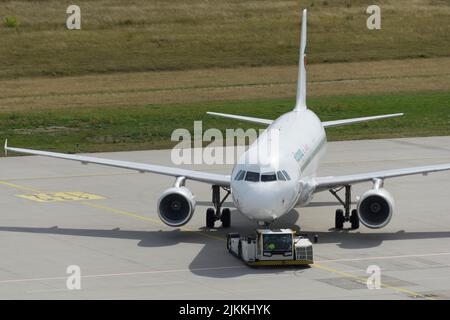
{"points": [[375, 208], [176, 206]]}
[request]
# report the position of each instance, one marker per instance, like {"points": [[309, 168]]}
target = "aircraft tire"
{"points": [[226, 218], [354, 219], [339, 219], [210, 218]]}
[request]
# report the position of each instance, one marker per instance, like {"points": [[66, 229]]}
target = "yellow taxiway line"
{"points": [[109, 209], [363, 279]]}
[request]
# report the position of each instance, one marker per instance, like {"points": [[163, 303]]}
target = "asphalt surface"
{"points": [[56, 213]]}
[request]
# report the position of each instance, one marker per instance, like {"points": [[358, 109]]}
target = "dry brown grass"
{"points": [[142, 35], [144, 88]]}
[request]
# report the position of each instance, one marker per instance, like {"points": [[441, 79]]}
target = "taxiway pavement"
{"points": [[105, 222]]}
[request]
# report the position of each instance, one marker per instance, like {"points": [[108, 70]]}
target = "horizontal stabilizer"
{"points": [[336, 123], [242, 118]]}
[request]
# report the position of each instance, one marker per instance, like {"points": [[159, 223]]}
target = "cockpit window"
{"points": [[240, 175], [252, 176], [280, 176], [269, 176], [286, 175]]}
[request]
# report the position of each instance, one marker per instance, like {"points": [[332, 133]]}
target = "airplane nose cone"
{"points": [[264, 201]]}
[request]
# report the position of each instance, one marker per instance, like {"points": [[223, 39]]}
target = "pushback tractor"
{"points": [[271, 248]]}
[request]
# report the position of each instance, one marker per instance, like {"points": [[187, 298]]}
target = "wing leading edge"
{"points": [[206, 177], [325, 183]]}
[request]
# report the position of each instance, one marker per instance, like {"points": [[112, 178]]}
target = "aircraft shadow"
{"points": [[213, 260]]}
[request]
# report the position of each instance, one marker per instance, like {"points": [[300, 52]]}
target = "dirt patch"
{"points": [[146, 88], [53, 129]]}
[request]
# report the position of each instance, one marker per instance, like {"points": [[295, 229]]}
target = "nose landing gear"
{"points": [[345, 215], [217, 213]]}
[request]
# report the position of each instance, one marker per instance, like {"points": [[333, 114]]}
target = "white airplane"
{"points": [[266, 190]]}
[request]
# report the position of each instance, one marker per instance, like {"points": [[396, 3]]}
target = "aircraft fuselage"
{"points": [[290, 148]]}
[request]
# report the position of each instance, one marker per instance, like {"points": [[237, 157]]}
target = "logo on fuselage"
{"points": [[298, 155]]}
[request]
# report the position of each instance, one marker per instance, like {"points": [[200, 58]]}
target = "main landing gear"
{"points": [[345, 215], [216, 213]]}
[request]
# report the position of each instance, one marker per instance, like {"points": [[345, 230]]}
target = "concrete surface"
{"points": [[124, 252]]}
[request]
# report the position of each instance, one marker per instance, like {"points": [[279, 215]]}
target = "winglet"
{"points": [[301, 81], [6, 147]]}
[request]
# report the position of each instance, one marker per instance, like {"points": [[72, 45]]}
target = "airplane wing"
{"points": [[336, 123], [326, 183], [210, 178], [242, 118]]}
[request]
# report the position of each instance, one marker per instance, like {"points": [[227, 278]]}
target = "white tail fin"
{"points": [[301, 82]]}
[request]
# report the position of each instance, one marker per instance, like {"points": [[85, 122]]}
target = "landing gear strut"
{"points": [[217, 213], [345, 215]]}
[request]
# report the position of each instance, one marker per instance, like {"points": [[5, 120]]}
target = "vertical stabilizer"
{"points": [[301, 81]]}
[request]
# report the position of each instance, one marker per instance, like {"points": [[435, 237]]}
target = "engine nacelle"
{"points": [[176, 206], [375, 208]]}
